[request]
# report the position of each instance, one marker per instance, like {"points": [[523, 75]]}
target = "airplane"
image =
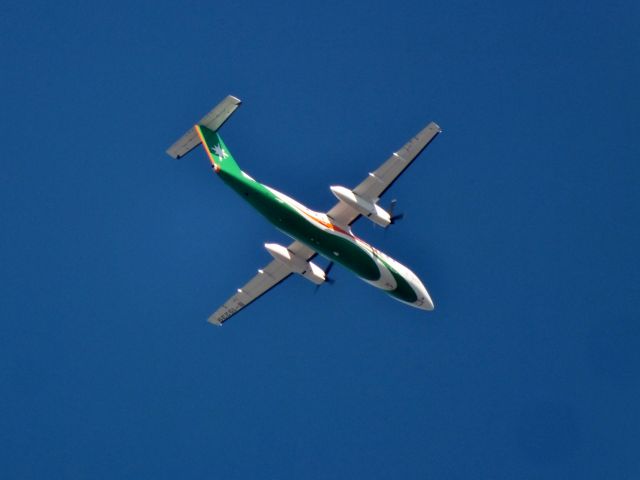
{"points": [[328, 234]]}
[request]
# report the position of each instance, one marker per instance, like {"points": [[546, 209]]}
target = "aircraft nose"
{"points": [[427, 303], [424, 299]]}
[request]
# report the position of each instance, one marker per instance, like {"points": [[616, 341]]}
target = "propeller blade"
{"points": [[328, 269], [327, 279], [395, 218], [393, 204]]}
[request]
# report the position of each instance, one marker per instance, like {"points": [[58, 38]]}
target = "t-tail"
{"points": [[205, 132]]}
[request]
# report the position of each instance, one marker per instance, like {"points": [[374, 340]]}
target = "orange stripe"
{"points": [[330, 226], [335, 228], [215, 166]]}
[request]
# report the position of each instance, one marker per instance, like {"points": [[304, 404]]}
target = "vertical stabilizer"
{"points": [[217, 151]]}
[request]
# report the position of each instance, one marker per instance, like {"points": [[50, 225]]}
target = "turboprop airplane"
{"points": [[328, 234]]}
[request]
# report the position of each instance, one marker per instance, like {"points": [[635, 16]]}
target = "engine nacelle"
{"points": [[295, 263], [371, 210]]}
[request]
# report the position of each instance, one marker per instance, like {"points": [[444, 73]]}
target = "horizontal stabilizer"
{"points": [[212, 120]]}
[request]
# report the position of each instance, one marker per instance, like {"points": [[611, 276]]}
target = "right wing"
{"points": [[380, 180], [267, 278]]}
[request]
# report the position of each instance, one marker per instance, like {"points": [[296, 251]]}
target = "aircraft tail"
{"points": [[217, 151]]}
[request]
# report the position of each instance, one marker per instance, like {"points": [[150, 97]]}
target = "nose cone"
{"points": [[424, 301]]}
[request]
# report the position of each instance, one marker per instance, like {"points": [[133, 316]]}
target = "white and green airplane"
{"points": [[328, 234]]}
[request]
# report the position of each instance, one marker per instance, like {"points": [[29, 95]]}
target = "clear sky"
{"points": [[521, 218]]}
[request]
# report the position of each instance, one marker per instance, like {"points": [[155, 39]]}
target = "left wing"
{"points": [[379, 181], [267, 278]]}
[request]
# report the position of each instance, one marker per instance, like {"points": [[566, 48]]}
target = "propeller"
{"points": [[326, 273], [328, 279], [394, 218]]}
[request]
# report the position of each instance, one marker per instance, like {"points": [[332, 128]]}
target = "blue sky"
{"points": [[521, 218]]}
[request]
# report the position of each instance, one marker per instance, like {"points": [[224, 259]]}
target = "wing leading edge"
{"points": [[380, 180]]}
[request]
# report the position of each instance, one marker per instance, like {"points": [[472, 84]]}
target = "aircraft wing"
{"points": [[267, 278], [379, 181]]}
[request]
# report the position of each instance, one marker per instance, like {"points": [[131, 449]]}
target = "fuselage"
{"points": [[332, 241]]}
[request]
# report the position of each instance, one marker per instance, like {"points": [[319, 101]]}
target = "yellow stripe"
{"points": [[206, 149]]}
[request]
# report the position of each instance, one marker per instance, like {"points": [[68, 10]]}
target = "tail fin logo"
{"points": [[219, 151]]}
